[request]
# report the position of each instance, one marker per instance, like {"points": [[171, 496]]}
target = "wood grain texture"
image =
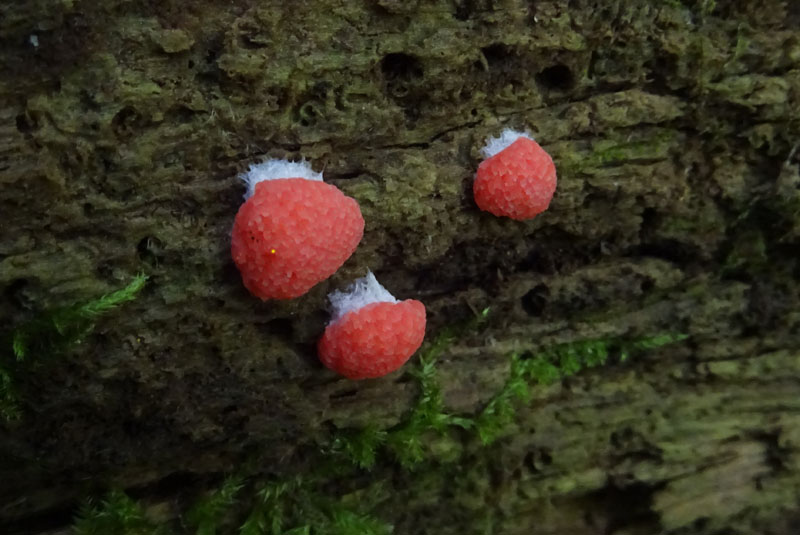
{"points": [[673, 126]]}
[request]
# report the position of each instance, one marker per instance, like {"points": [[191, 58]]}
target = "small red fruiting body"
{"points": [[293, 231], [517, 179], [372, 334]]}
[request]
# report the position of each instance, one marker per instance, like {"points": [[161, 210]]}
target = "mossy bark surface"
{"points": [[674, 127]]}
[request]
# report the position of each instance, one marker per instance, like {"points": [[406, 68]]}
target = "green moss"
{"points": [[611, 152], [608, 152], [742, 44], [268, 512], [208, 513], [553, 364], [117, 514], [749, 253], [361, 446], [340, 521], [49, 334], [404, 441], [296, 505], [707, 7], [9, 398], [290, 507], [61, 328]]}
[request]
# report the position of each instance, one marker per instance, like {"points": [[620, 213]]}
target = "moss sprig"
{"points": [[295, 503], [9, 399], [346, 522], [60, 328], [360, 446], [267, 515], [51, 333], [323, 515], [208, 513], [404, 441], [552, 364], [117, 514], [294, 506]]}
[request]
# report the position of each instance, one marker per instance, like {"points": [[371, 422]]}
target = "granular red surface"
{"points": [[374, 340], [293, 233], [517, 182]]}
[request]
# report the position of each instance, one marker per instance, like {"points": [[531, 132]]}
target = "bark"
{"points": [[674, 127]]}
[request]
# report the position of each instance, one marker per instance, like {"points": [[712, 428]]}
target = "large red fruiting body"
{"points": [[373, 340], [293, 233], [517, 182]]}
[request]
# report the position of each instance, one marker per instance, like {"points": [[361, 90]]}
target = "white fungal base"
{"points": [[497, 144], [360, 293], [273, 169]]}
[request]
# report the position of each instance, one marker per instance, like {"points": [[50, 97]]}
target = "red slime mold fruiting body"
{"points": [[517, 181], [374, 340], [293, 233], [372, 333]]}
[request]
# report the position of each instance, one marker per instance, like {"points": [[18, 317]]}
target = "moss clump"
{"points": [[61, 328], [653, 146], [51, 333], [208, 513], [9, 407], [553, 364], [269, 507], [296, 506], [289, 507], [117, 513], [404, 441], [293, 503], [360, 446]]}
